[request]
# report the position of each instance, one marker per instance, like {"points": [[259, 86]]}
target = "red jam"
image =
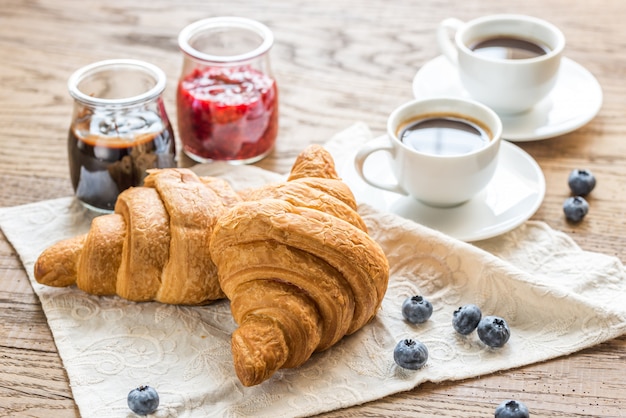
{"points": [[227, 113]]}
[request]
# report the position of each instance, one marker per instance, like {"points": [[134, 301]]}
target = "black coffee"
{"points": [[444, 135], [504, 47]]}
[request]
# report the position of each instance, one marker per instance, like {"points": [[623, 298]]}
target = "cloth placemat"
{"points": [[557, 298]]}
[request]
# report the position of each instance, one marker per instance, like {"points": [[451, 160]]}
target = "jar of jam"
{"points": [[119, 129], [227, 99]]}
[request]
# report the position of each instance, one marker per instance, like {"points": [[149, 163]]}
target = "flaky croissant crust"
{"points": [[154, 247], [294, 258], [299, 267]]}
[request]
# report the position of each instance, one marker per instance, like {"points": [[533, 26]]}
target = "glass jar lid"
{"points": [[117, 83], [225, 40]]}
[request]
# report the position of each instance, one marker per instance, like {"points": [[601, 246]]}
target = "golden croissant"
{"points": [[294, 258], [298, 266], [155, 246]]}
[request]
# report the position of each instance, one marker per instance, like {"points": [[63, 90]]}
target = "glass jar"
{"points": [[119, 129], [227, 98]]}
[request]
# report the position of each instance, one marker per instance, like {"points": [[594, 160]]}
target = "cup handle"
{"points": [[445, 38], [381, 144]]}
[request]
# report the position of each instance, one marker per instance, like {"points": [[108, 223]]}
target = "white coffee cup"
{"points": [[506, 85], [434, 179]]}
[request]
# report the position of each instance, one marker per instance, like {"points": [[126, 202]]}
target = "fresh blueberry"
{"points": [[466, 319], [410, 354], [512, 409], [416, 309], [143, 400], [581, 182], [575, 208], [493, 331]]}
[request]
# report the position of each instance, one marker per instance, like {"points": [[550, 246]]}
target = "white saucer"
{"points": [[513, 196], [575, 100]]}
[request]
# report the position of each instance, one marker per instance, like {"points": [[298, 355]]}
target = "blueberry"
{"points": [[581, 182], [512, 409], [575, 208], [493, 331], [410, 354], [466, 319], [416, 309], [143, 400]]}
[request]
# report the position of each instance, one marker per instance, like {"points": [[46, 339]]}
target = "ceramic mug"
{"points": [[508, 62], [427, 173]]}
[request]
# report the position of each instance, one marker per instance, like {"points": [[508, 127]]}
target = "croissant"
{"points": [[155, 246], [294, 258], [298, 266]]}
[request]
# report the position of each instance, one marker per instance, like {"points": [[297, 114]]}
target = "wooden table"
{"points": [[337, 62]]}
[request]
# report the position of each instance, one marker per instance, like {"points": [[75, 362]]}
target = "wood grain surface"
{"points": [[337, 62]]}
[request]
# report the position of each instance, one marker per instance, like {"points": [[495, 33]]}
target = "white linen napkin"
{"points": [[557, 298]]}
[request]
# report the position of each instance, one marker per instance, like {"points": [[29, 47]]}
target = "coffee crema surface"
{"points": [[446, 135], [508, 48]]}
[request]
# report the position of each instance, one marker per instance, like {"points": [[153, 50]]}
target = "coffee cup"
{"points": [[443, 150], [508, 62]]}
